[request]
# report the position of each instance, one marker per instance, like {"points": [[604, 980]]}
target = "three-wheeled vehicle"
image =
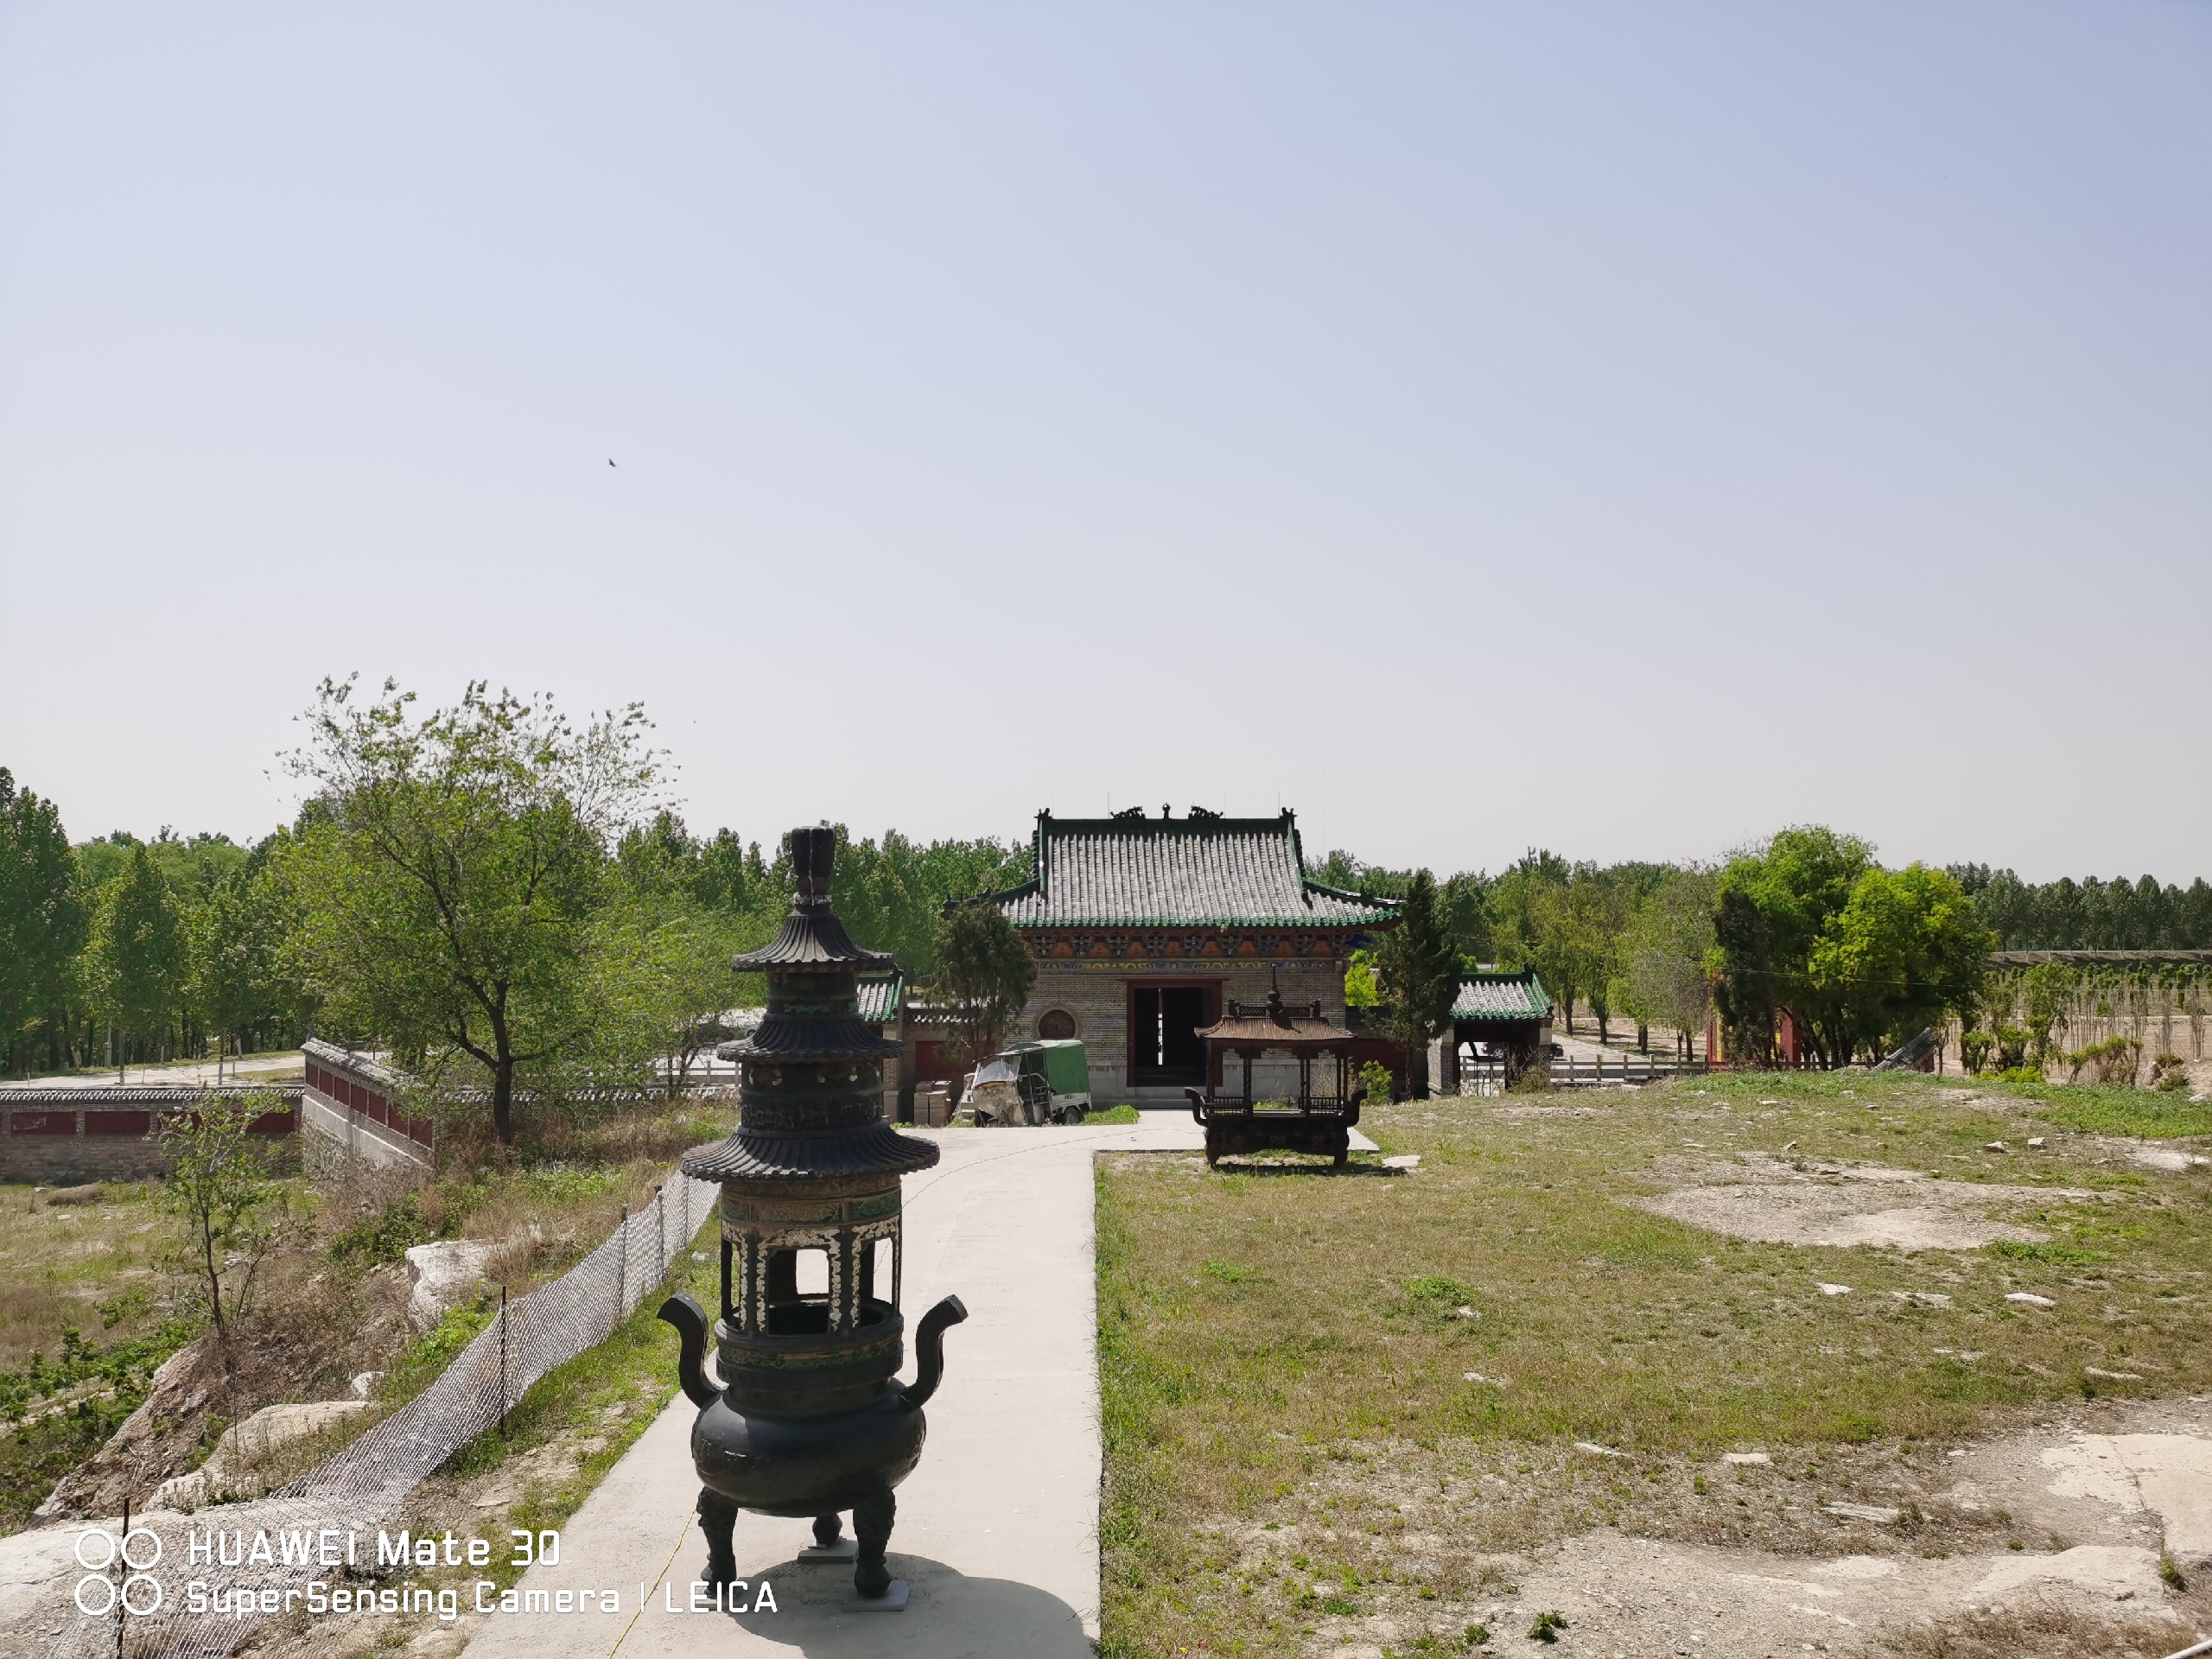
{"points": [[1046, 1081]]}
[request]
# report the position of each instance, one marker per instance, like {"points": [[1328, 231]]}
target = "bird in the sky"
{"points": [[610, 463]]}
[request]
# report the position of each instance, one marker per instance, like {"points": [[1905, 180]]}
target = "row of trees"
{"points": [[1628, 940], [2091, 915], [119, 951], [497, 896]]}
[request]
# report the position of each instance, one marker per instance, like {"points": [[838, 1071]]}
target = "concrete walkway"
{"points": [[997, 1532]]}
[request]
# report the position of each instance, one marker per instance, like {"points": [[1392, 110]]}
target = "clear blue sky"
{"points": [[1625, 428]]}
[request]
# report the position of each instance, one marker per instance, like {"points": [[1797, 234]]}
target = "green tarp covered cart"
{"points": [[1047, 1081]]}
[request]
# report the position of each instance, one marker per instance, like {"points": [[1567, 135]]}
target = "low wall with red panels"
{"points": [[60, 1137]]}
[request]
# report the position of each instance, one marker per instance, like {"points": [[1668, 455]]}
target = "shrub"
{"points": [[2113, 1060], [2169, 1072], [1375, 1082], [2012, 1047], [385, 1235], [1973, 1050]]}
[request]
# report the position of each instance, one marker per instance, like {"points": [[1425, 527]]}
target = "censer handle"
{"points": [[691, 1322], [929, 1348]]}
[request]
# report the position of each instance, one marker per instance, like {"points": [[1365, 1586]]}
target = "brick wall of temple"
{"points": [[1096, 994]]}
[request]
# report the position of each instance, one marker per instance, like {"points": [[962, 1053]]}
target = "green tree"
{"points": [[663, 954], [2045, 989], [1600, 905], [219, 1187], [138, 955], [984, 975], [243, 982], [43, 918], [1531, 925], [1664, 979], [1773, 907], [1360, 990], [1906, 949], [890, 894], [1417, 976], [453, 877]]}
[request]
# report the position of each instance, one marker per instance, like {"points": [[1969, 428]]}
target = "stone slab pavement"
{"points": [[997, 1531]]}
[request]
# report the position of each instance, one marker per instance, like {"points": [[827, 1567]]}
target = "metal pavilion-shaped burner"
{"points": [[809, 1419]]}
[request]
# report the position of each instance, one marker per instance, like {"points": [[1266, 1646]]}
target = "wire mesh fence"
{"points": [[359, 1489]]}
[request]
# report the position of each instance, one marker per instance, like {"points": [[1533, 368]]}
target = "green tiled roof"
{"points": [[879, 997], [1197, 871], [1501, 996]]}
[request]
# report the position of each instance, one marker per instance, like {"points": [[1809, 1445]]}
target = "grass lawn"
{"points": [[1292, 1439], [82, 1328]]}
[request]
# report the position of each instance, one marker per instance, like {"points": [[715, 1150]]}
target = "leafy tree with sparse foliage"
{"points": [[455, 882], [1663, 976], [219, 1185]]}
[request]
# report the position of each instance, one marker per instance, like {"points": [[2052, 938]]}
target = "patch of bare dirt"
{"points": [[1833, 1204], [2051, 1539]]}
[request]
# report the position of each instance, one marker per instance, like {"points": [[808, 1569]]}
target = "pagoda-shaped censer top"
{"points": [[808, 1417], [813, 1095]]}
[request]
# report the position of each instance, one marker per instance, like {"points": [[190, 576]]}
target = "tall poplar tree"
{"points": [[42, 914], [139, 956]]}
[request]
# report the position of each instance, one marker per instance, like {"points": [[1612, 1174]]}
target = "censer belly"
{"points": [[781, 1464]]}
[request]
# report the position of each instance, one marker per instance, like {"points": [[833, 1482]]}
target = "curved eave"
{"points": [[846, 1037], [766, 1155], [1305, 922]]}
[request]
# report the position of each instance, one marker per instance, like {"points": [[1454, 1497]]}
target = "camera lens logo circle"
{"points": [[97, 1548], [102, 1540]]}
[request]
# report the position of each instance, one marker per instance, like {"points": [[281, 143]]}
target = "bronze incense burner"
{"points": [[809, 1419]]}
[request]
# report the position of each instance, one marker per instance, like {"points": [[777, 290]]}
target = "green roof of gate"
{"points": [[1194, 872], [879, 997], [1501, 996]]}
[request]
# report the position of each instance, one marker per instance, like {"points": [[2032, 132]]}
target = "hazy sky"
{"points": [[1623, 428]]}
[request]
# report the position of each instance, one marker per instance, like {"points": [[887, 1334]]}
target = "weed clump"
{"points": [[1431, 1289], [2062, 1256]]}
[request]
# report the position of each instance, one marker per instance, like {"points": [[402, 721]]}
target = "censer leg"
{"points": [[827, 1530], [717, 1518], [872, 1518]]}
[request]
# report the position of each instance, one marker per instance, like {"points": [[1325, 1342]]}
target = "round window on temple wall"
{"points": [[1057, 1022]]}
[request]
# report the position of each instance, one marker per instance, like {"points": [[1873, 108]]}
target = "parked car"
{"points": [[1047, 1081]]}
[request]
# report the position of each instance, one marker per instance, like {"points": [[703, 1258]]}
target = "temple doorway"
{"points": [[1165, 1048]]}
